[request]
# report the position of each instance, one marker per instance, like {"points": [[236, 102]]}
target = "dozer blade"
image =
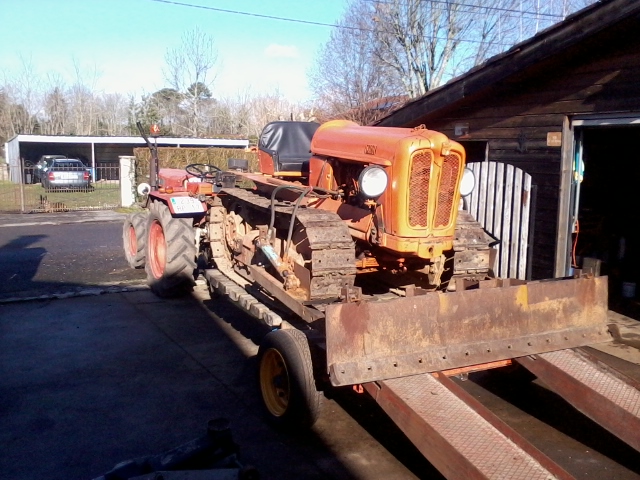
{"points": [[369, 341]]}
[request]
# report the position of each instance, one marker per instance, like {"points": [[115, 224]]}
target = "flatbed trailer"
{"points": [[463, 439], [456, 433]]}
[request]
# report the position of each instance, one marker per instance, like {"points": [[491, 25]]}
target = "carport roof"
{"points": [[178, 141]]}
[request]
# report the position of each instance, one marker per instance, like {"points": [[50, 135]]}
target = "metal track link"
{"points": [[457, 434], [601, 393], [330, 251], [221, 284]]}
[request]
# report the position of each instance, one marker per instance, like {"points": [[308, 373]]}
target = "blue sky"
{"points": [[125, 41]]}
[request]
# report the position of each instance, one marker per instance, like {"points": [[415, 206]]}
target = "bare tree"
{"points": [[190, 71], [6, 126], [247, 113], [424, 42], [348, 80], [83, 102], [112, 116], [24, 93], [56, 107], [269, 107], [419, 39], [56, 112]]}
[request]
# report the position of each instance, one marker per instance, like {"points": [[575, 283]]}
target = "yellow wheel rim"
{"points": [[274, 382]]}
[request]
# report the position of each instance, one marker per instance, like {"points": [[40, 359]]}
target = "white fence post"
{"points": [[127, 181]]}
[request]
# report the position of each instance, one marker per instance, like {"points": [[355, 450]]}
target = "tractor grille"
{"points": [[447, 190], [419, 188]]}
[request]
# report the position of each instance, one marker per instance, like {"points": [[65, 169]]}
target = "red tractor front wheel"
{"points": [[171, 252], [134, 239]]}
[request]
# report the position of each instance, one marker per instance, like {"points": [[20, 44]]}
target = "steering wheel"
{"points": [[203, 170]]}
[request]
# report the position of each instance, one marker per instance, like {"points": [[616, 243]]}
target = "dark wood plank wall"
{"points": [[515, 116], [108, 154]]}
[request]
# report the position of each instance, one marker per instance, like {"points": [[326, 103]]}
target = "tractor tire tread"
{"points": [[178, 275], [138, 221]]}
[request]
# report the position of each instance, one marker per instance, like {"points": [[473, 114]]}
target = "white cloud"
{"points": [[281, 51]]}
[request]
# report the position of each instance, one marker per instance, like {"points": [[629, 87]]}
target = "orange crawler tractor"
{"points": [[354, 237]]}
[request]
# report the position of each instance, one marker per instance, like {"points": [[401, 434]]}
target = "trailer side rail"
{"points": [[603, 394]]}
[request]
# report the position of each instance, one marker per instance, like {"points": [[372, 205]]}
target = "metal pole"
{"points": [[22, 176]]}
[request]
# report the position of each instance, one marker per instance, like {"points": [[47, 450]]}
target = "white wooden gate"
{"points": [[501, 202]]}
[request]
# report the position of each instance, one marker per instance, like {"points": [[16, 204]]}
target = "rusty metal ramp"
{"points": [[370, 341], [603, 394], [457, 434]]}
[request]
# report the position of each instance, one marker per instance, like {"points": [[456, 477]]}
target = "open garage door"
{"points": [[605, 214]]}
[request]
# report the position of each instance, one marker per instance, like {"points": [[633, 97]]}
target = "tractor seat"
{"points": [[289, 145]]}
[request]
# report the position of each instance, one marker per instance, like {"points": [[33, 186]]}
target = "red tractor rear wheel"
{"points": [[171, 252]]}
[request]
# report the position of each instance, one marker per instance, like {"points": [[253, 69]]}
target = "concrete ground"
{"points": [[93, 380], [90, 381]]}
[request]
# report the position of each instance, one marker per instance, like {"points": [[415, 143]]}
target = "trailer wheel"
{"points": [[286, 379], [171, 252], [134, 239]]}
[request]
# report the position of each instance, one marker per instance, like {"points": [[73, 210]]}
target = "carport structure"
{"points": [[99, 153], [102, 156]]}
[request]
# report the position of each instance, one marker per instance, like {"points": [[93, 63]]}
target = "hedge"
{"points": [[176, 157]]}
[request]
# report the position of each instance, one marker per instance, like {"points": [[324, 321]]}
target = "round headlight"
{"points": [[143, 189], [373, 181], [468, 182]]}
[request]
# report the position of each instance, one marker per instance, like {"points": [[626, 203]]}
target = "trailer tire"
{"points": [[171, 252], [285, 377], [134, 239]]}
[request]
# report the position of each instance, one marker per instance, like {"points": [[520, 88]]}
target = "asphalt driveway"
{"points": [[91, 381]]}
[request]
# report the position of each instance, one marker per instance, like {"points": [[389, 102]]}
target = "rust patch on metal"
{"points": [[371, 341], [475, 368]]}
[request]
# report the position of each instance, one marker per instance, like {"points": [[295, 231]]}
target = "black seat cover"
{"points": [[289, 144]]}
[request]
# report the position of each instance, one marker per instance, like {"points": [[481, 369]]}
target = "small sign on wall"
{"points": [[461, 129], [554, 139]]}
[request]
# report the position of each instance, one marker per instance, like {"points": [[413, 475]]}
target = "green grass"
{"points": [[103, 196]]}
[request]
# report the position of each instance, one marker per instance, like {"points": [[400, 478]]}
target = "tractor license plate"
{"points": [[186, 205]]}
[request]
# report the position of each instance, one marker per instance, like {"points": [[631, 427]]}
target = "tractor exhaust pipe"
{"points": [[153, 147]]}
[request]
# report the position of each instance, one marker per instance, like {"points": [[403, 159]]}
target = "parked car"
{"points": [[66, 173], [41, 166]]}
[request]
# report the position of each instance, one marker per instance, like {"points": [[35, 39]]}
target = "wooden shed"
{"points": [[564, 106]]}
